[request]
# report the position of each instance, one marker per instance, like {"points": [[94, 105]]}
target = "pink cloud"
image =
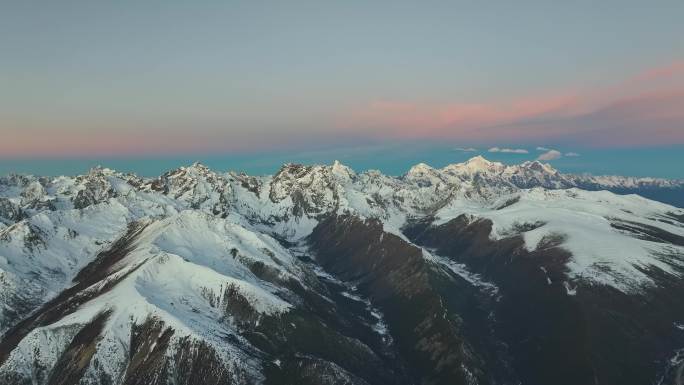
{"points": [[664, 72], [406, 119], [107, 141], [645, 109]]}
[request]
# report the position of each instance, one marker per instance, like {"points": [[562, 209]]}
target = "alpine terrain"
{"points": [[476, 273]]}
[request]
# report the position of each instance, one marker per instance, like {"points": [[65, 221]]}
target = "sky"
{"points": [[252, 84]]}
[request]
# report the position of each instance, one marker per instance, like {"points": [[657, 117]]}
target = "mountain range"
{"points": [[476, 273]]}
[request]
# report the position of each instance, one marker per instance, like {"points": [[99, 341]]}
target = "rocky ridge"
{"points": [[322, 275]]}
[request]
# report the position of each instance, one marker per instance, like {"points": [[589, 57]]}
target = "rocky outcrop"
{"points": [[10, 211]]}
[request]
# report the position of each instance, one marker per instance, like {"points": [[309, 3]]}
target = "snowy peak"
{"points": [[478, 163], [94, 187], [197, 186], [539, 166], [197, 169], [474, 165], [423, 175], [313, 190], [101, 171], [341, 172], [420, 169]]}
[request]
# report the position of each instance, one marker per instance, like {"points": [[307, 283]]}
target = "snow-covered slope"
{"points": [[588, 225], [53, 227], [107, 265], [190, 270]]}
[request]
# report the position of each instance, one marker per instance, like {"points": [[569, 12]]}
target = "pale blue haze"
{"points": [[390, 159]]}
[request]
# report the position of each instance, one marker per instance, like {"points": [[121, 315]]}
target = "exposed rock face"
{"points": [[550, 332], [71, 365], [95, 188], [397, 279], [477, 273], [9, 211]]}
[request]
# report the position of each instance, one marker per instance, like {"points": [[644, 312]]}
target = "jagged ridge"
{"points": [[236, 270]]}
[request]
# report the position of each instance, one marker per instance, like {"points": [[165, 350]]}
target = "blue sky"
{"points": [[243, 80], [392, 159]]}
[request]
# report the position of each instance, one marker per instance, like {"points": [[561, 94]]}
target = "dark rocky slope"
{"points": [[597, 335]]}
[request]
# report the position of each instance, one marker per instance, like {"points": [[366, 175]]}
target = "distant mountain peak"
{"points": [[100, 170], [197, 167], [342, 171], [476, 164], [478, 159], [539, 166], [420, 168]]}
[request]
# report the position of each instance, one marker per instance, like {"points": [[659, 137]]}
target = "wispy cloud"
{"points": [[442, 120], [642, 110], [571, 154], [550, 155], [509, 150], [465, 149], [645, 109]]}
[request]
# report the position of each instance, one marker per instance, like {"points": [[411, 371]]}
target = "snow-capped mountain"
{"points": [[476, 273]]}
